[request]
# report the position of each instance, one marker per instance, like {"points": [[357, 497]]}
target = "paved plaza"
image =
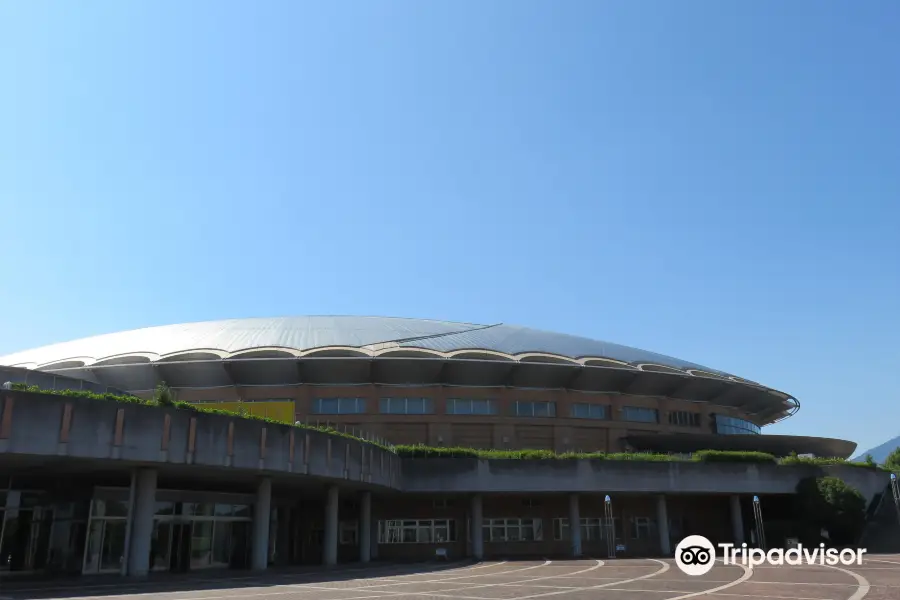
{"points": [[878, 578]]}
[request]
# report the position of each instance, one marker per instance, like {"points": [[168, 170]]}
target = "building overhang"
{"points": [[763, 405], [779, 445]]}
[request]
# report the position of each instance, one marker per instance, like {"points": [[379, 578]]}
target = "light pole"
{"points": [[760, 527], [610, 528]]}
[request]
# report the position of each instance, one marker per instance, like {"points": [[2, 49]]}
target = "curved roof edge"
{"points": [[779, 445]]}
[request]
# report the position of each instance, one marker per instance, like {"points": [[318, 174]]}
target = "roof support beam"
{"points": [[510, 379], [679, 384], [574, 377], [442, 373]]}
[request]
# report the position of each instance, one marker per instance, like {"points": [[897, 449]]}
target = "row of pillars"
{"points": [[142, 500], [662, 518]]}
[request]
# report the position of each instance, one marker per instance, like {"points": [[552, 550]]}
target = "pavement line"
{"points": [[294, 588], [443, 593], [262, 580], [864, 586], [767, 597], [747, 574], [665, 567], [522, 582], [881, 560], [390, 583], [245, 578]]}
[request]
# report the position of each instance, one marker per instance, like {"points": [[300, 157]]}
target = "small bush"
{"points": [[832, 504], [163, 394], [727, 456]]}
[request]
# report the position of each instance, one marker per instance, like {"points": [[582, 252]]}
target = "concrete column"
{"points": [[144, 490], [262, 511], [365, 527], [330, 549], [477, 529], [575, 525], [737, 520], [374, 538], [662, 524]]}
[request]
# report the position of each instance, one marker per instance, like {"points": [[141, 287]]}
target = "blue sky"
{"points": [[714, 180]]}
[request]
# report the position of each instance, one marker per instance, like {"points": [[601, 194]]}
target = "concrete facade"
{"points": [[279, 494]]}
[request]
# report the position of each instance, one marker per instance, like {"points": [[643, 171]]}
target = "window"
{"points": [[588, 411], [683, 418], [404, 406], [470, 406], [417, 531], [642, 528], [339, 406], [512, 530], [348, 532], [640, 415], [734, 426], [592, 529], [535, 409]]}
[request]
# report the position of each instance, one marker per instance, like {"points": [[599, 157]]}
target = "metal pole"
{"points": [[610, 528], [760, 526], [895, 490]]}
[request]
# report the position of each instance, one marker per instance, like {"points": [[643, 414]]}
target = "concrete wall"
{"points": [[49, 425], [438, 475]]}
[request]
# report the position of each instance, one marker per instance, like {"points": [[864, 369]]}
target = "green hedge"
{"points": [[728, 456]]}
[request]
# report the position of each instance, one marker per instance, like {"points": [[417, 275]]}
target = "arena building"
{"points": [[90, 486], [413, 381]]}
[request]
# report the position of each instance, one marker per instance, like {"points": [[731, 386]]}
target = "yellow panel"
{"points": [[280, 411]]}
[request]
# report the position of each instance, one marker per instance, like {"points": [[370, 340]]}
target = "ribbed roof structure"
{"points": [[303, 334], [327, 350]]}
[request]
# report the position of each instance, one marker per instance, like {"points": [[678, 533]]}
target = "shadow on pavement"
{"points": [[160, 583]]}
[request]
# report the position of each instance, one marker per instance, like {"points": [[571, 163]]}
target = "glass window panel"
{"points": [[424, 533], [201, 543], [639, 414], [410, 535], [498, 533], [482, 407], [160, 545], [113, 549], [110, 508], [224, 510], [221, 551], [165, 508]]}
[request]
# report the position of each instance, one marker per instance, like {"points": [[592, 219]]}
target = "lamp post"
{"points": [[760, 526], [610, 528]]}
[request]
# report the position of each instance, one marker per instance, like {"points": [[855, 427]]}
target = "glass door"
{"points": [[105, 543]]}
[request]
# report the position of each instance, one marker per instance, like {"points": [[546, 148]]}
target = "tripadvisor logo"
{"points": [[696, 555]]}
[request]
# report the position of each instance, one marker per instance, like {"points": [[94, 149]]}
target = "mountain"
{"points": [[880, 453]]}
